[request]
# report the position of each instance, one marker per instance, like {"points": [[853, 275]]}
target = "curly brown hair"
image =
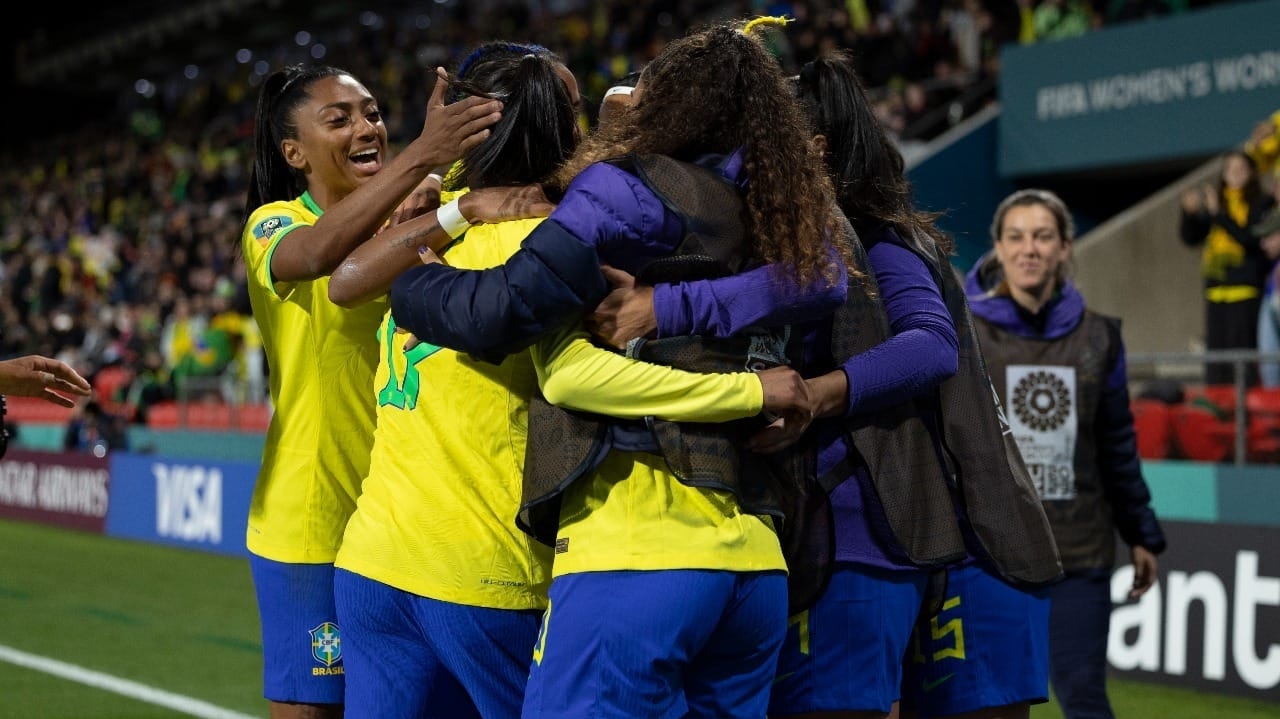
{"points": [[716, 91]]}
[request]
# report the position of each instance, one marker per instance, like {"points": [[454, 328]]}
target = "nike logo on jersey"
{"points": [[930, 686]]}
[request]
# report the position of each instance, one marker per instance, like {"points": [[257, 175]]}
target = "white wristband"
{"points": [[433, 176], [619, 90], [451, 219]]}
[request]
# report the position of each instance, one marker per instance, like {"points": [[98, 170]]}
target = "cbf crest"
{"points": [[326, 644]]}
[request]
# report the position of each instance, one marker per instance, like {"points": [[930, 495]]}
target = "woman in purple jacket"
{"points": [[1059, 368], [966, 657]]}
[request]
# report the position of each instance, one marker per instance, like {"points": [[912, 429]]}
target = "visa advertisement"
{"points": [[1211, 622], [184, 502]]}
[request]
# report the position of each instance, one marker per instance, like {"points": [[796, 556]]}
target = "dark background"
{"points": [[44, 100]]}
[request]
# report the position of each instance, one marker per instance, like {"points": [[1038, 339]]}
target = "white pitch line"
{"points": [[124, 687]]}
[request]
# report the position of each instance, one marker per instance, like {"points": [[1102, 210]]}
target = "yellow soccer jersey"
{"points": [[632, 513], [437, 514], [322, 360], [436, 517]]}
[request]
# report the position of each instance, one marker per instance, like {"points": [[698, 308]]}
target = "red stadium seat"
{"points": [[1153, 422], [107, 383], [1263, 406], [34, 410], [208, 415], [253, 417], [163, 415], [1202, 434], [1218, 398]]}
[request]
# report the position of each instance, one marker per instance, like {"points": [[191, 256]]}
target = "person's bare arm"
{"points": [[448, 132], [424, 198], [368, 271], [49, 379]]}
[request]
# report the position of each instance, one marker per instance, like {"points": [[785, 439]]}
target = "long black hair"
{"points": [[539, 126], [272, 179], [866, 168]]}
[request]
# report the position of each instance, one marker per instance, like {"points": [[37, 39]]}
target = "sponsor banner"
{"points": [[184, 502], [1212, 621], [1167, 89], [66, 490]]}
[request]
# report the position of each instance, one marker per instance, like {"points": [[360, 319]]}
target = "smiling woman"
{"points": [[1060, 369], [321, 185]]}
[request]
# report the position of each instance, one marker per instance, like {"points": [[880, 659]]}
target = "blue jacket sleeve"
{"points": [[1119, 466], [723, 307], [548, 284]]}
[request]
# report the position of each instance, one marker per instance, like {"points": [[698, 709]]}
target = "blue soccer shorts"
{"points": [[301, 644], [658, 644], [845, 652], [988, 646], [412, 656]]}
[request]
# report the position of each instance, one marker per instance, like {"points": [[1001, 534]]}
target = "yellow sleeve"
{"points": [[1266, 151], [575, 374], [1026, 25], [266, 226]]}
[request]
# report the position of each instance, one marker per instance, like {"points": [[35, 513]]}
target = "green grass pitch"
{"points": [[185, 623]]}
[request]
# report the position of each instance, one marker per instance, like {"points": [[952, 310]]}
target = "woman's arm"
{"points": [[368, 271], [545, 286], [549, 284], [449, 131], [765, 296], [921, 352], [1119, 465], [576, 374]]}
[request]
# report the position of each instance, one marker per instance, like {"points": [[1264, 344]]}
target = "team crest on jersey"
{"points": [[267, 228], [326, 644]]}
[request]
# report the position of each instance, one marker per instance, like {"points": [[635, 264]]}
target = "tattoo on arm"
{"points": [[418, 237]]}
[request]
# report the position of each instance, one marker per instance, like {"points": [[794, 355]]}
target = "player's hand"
{"points": [[787, 400], [625, 313], [499, 204], [48, 379], [449, 131]]}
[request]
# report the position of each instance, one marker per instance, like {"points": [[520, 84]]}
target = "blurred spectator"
{"points": [[94, 430], [1055, 19], [1263, 146], [1118, 11], [1268, 232], [115, 238], [1219, 219], [150, 384]]}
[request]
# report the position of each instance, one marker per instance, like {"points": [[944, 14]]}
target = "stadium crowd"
{"points": [[118, 240]]}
